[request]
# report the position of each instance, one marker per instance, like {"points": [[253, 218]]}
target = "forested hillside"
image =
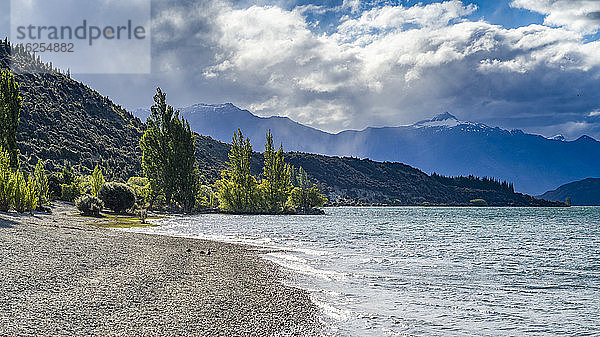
{"points": [[64, 120]]}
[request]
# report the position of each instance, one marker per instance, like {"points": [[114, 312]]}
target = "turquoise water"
{"points": [[432, 271]]}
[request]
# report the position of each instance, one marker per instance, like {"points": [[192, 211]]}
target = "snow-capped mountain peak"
{"points": [[442, 120]]}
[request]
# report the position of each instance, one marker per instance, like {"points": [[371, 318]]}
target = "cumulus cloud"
{"points": [[396, 64], [375, 66], [582, 16]]}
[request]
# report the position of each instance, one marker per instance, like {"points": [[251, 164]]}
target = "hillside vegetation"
{"points": [[64, 121]]}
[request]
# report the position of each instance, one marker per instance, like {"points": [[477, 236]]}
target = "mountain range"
{"points": [[443, 144]]}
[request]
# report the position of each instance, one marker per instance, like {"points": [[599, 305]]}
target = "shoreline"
{"points": [[64, 276]]}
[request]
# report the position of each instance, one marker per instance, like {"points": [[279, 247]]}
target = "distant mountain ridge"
{"points": [[585, 192], [443, 144]]}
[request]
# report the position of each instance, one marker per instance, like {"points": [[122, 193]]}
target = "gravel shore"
{"points": [[61, 276]]}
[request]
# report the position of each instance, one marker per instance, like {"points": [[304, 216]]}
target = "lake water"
{"points": [[432, 271]]}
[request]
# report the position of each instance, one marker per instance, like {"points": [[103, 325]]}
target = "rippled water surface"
{"points": [[433, 271]]}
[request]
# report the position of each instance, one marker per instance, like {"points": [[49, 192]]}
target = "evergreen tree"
{"points": [[41, 184], [168, 159], [276, 184], [237, 190], [10, 107], [97, 180], [6, 181]]}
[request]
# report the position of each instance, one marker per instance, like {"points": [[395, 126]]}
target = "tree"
{"points": [[67, 175], [6, 181], [238, 190], [97, 180], [70, 184], [276, 184], [306, 196], [41, 183], [141, 187], [10, 107], [168, 159], [206, 198]]}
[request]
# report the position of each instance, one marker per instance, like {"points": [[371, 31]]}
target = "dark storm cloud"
{"points": [[381, 65]]}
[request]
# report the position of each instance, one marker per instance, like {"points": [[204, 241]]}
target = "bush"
{"points": [[89, 205], [31, 194], [70, 192], [54, 186], [6, 182], [117, 197], [19, 195], [141, 188], [478, 202]]}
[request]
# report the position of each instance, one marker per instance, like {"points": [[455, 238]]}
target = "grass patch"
{"points": [[120, 221], [122, 224]]}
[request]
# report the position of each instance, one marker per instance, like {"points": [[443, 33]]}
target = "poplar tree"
{"points": [[276, 184], [168, 159], [19, 193], [238, 190], [10, 107], [97, 180]]}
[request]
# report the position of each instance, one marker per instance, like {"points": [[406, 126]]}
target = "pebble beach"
{"points": [[62, 276]]}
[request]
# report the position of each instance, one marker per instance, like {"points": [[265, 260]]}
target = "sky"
{"points": [[349, 64]]}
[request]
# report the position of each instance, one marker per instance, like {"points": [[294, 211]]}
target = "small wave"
{"points": [[301, 266], [331, 311]]}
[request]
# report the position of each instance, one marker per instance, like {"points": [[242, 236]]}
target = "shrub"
{"points": [[117, 197], [141, 188], [89, 205], [6, 181], [41, 184], [70, 192], [478, 202], [31, 194], [19, 195]]}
